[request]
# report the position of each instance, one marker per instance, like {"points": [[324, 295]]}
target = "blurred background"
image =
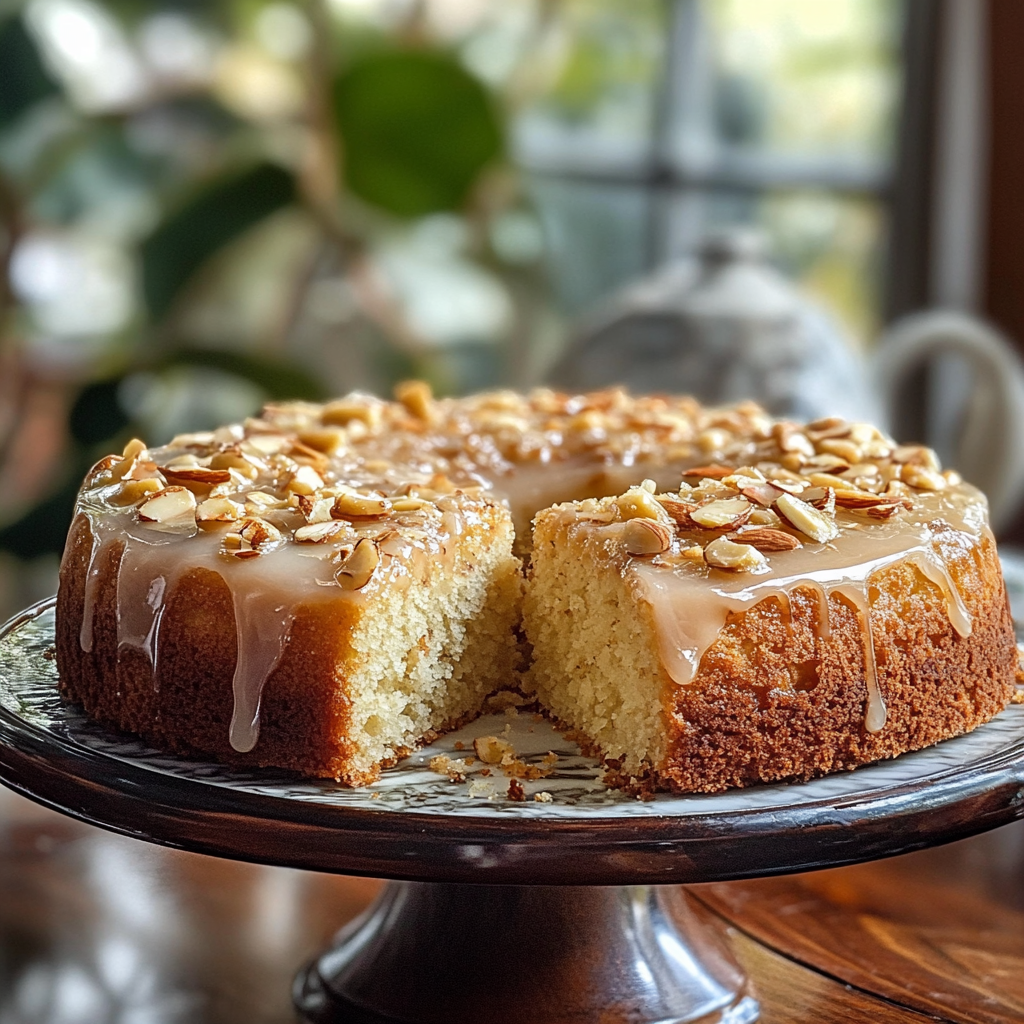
{"points": [[204, 205]]}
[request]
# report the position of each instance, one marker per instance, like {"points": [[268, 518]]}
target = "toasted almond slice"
{"points": [[343, 411], [807, 519], [219, 510], [916, 454], [132, 491], [825, 464], [305, 480], [678, 511], [828, 480], [268, 444], [247, 467], [764, 517], [723, 513], [922, 478], [417, 398], [264, 499], [855, 499], [323, 439], [646, 537], [762, 494], [694, 553], [841, 447], [764, 538], [316, 510], [723, 553], [320, 533], [195, 476], [713, 472], [822, 498], [359, 506], [882, 511], [258, 532], [357, 570], [640, 503], [167, 505]]}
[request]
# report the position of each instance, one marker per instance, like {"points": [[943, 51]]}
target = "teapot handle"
{"points": [[990, 449]]}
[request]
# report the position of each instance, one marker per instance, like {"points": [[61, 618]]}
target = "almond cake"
{"points": [[713, 598]]}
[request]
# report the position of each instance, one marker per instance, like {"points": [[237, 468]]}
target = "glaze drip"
{"points": [[691, 605]]}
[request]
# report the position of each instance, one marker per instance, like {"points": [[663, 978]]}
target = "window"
{"points": [[667, 119]]}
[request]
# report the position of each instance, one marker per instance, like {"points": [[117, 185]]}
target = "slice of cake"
{"points": [[328, 629], [737, 632]]}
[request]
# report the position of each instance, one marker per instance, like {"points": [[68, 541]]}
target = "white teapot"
{"points": [[726, 326]]}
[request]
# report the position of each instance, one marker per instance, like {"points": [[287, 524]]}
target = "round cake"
{"points": [[712, 598]]}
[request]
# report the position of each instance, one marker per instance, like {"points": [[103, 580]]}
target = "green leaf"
{"points": [[416, 130], [97, 414], [24, 80], [279, 378], [207, 222]]}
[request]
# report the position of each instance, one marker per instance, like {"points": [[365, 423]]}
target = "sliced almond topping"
{"points": [[695, 553], [132, 491], [807, 519], [305, 480], [883, 511], [678, 511], [860, 499], [357, 570], [264, 499], [723, 553], [764, 517], [359, 506], [822, 498], [320, 533], [316, 510], [842, 448], [725, 512], [828, 480], [639, 503], [219, 510], [916, 454], [715, 439], [713, 472], [762, 494], [923, 478], [169, 504], [195, 476], [324, 439], [258, 533], [765, 539], [646, 537], [236, 461], [417, 398], [409, 504], [267, 444], [349, 410]]}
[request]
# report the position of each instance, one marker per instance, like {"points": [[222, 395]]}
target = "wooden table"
{"points": [[95, 928]]}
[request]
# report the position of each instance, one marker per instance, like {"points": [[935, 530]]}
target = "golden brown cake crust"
{"points": [[188, 706], [733, 727]]}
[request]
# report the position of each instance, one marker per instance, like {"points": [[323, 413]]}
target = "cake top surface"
{"points": [[313, 473]]}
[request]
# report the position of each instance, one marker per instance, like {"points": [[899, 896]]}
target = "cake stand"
{"points": [[505, 908]]}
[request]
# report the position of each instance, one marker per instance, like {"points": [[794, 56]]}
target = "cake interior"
{"points": [[596, 663], [426, 655]]}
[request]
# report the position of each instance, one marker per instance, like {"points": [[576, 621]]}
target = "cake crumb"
{"points": [[516, 791], [1018, 697], [550, 758], [492, 750], [543, 797], [454, 768], [375, 796], [479, 788], [459, 745], [506, 700]]}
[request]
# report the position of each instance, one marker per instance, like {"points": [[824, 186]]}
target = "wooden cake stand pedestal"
{"points": [[565, 910]]}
